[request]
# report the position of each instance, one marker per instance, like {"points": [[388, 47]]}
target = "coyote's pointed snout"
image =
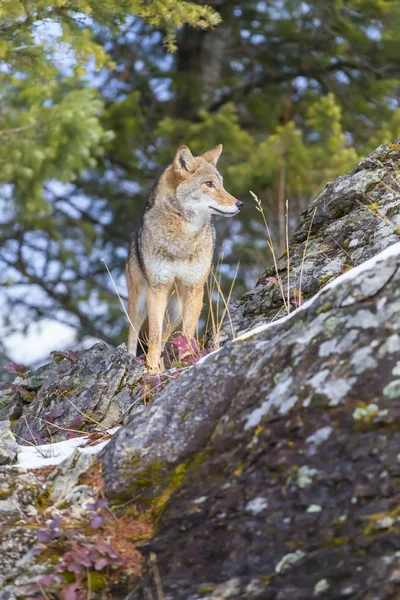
{"points": [[170, 255]]}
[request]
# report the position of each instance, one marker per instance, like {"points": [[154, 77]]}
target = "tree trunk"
{"points": [[200, 58]]}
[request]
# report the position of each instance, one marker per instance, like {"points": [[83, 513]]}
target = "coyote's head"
{"points": [[199, 186]]}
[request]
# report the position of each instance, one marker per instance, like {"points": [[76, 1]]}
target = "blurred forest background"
{"points": [[97, 94]]}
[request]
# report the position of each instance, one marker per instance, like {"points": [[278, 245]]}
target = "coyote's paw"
{"points": [[154, 370]]}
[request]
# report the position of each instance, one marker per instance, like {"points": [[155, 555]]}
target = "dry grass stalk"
{"points": [[260, 208], [287, 256], [156, 575]]}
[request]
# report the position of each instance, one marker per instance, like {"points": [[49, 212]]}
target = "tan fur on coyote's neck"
{"points": [[176, 232]]}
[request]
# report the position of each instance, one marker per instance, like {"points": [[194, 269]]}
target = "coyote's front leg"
{"points": [[192, 303], [157, 297]]}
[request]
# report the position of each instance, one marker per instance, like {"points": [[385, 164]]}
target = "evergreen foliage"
{"points": [[97, 94]]}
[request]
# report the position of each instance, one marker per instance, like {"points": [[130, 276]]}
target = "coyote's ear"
{"points": [[184, 160], [213, 155]]}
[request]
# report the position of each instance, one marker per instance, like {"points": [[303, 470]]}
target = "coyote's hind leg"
{"points": [[137, 310]]}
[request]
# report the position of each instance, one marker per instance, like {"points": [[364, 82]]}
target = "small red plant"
{"points": [[101, 544], [12, 367], [186, 350], [273, 280], [16, 388], [297, 297]]}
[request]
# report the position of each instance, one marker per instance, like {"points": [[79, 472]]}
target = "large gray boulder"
{"points": [[272, 468]]}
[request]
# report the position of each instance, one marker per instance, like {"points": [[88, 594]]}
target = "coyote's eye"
{"points": [[209, 184]]}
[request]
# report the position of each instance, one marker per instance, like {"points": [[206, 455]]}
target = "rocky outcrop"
{"points": [[268, 470], [354, 218], [88, 390]]}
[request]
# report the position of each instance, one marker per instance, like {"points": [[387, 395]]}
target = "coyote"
{"points": [[170, 254]]}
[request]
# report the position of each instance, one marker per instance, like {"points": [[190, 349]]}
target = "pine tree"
{"points": [[97, 95]]}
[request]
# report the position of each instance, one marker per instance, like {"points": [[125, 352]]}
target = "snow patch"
{"points": [[36, 457], [206, 357]]}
